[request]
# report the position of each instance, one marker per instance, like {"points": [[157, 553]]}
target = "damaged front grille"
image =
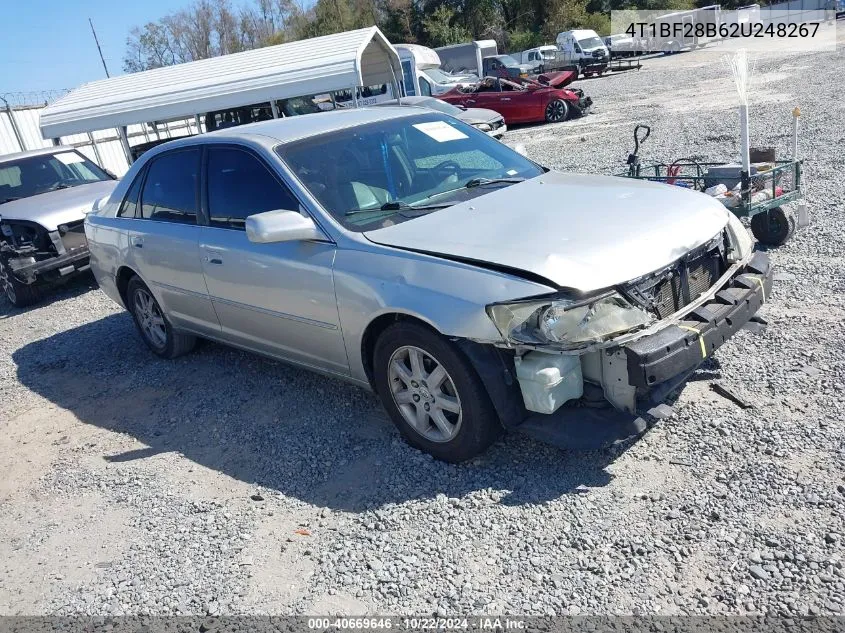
{"points": [[73, 235], [682, 283]]}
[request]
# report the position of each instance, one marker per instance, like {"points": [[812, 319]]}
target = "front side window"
{"points": [[239, 185], [393, 171], [35, 175], [170, 190], [425, 87]]}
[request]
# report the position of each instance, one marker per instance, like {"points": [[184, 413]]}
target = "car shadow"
{"points": [[314, 438], [73, 287]]}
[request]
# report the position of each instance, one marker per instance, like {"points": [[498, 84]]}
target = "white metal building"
{"points": [[343, 61]]}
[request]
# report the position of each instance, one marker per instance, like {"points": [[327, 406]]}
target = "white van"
{"points": [[421, 72], [585, 49], [539, 58]]}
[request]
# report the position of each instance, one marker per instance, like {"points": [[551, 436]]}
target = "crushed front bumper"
{"points": [[29, 270], [678, 349]]}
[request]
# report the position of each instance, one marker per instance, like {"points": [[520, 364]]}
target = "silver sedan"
{"points": [[405, 251]]}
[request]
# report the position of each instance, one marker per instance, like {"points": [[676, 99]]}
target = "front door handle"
{"points": [[137, 242], [213, 260]]}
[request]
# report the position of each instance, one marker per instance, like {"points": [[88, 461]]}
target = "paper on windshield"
{"points": [[440, 131], [69, 158]]}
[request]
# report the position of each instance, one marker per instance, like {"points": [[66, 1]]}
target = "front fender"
{"points": [[449, 296]]}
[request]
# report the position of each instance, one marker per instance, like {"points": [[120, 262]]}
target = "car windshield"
{"points": [[34, 175], [440, 106], [392, 171], [590, 42], [507, 60]]}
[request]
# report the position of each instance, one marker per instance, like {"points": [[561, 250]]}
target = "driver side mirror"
{"points": [[281, 226], [577, 48]]}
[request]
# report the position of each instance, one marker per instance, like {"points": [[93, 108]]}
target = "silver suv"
{"points": [[44, 196]]}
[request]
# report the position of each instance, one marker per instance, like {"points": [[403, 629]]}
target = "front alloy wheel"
{"points": [[557, 111], [425, 394], [433, 393]]}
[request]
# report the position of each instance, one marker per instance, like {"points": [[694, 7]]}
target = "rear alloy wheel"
{"points": [[155, 329], [556, 111], [433, 394], [773, 227], [18, 293]]}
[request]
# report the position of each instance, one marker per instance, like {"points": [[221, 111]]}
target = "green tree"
{"points": [[441, 28]]}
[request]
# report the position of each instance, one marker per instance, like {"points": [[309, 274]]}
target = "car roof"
{"points": [[6, 158], [305, 125], [288, 129]]}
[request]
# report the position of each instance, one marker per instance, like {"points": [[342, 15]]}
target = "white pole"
{"points": [[796, 112], [744, 142], [275, 109]]}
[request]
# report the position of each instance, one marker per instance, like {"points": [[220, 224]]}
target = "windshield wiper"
{"points": [[398, 205], [478, 182]]}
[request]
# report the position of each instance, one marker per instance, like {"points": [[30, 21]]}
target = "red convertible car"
{"points": [[525, 101]]}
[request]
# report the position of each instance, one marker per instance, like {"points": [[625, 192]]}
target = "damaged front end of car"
{"points": [[612, 355], [32, 254]]}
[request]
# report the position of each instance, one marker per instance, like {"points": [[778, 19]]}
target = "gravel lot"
{"points": [[225, 483]]}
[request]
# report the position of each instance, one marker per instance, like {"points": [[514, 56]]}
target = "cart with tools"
{"points": [[760, 196]]}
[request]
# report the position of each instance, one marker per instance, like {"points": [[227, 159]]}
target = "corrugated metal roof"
{"points": [[322, 64]]}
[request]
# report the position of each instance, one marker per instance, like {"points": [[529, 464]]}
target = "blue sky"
{"points": [[47, 44]]}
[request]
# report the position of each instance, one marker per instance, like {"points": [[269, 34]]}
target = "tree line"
{"points": [[207, 28]]}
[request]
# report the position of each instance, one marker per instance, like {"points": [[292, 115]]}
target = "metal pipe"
{"points": [[275, 109], [198, 122], [96, 150], [14, 125], [796, 112], [396, 88], [124, 141]]}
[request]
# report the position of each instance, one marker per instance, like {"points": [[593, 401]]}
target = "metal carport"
{"points": [[319, 65]]}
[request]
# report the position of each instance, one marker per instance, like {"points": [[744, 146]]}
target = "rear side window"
{"points": [[170, 191], [129, 206], [239, 185]]}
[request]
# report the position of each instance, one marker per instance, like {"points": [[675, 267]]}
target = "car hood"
{"points": [[559, 79], [579, 231], [57, 207], [474, 116]]}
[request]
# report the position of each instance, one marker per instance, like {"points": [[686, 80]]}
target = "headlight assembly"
{"points": [[567, 324], [740, 240], [484, 127]]}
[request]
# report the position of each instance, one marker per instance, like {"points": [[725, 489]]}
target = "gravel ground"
{"points": [[224, 483]]}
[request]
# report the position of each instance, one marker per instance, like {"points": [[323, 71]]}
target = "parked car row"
{"points": [[548, 98], [410, 253]]}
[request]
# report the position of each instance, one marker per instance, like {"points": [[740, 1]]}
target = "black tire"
{"points": [[478, 425], [16, 292], [173, 343], [557, 111], [773, 227]]}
